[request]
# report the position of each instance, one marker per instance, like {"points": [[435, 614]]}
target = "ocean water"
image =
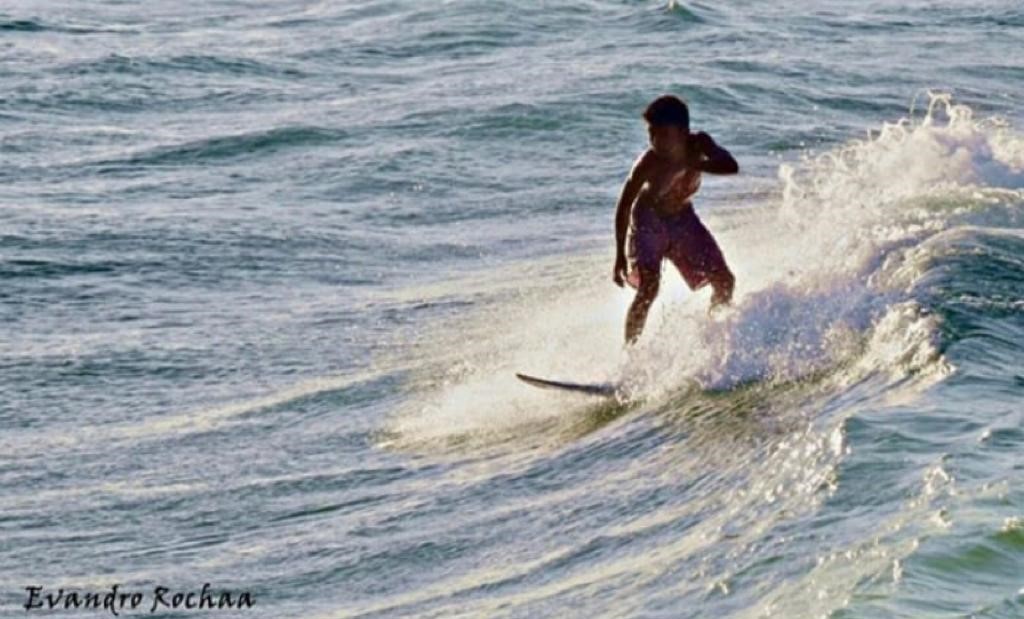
{"points": [[267, 269]]}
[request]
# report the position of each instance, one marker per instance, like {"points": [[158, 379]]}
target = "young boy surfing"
{"points": [[655, 204]]}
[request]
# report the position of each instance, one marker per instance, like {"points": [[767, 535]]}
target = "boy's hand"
{"points": [[710, 157], [619, 272], [702, 143]]}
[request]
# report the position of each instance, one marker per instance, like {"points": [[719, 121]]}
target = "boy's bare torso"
{"points": [[668, 187]]}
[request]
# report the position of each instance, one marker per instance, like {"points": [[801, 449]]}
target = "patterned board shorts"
{"points": [[681, 238]]}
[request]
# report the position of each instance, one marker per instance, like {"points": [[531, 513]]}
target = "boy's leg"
{"points": [[648, 241], [646, 291], [699, 260]]}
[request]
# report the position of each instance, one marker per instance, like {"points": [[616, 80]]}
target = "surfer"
{"points": [[655, 204]]}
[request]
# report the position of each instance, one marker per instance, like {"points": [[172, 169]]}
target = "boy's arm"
{"points": [[714, 159], [636, 179]]}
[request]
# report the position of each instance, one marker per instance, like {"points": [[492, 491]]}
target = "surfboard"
{"points": [[601, 389]]}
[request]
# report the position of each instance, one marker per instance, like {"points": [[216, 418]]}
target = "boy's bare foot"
{"points": [[717, 308]]}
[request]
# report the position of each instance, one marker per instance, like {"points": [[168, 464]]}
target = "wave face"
{"points": [[807, 451], [267, 271]]}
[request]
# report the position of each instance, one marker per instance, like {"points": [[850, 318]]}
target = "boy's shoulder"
{"points": [[645, 163]]}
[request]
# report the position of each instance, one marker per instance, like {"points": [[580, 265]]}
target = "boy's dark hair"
{"points": [[668, 110]]}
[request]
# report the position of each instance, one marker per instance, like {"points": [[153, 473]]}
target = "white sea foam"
{"points": [[825, 275]]}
